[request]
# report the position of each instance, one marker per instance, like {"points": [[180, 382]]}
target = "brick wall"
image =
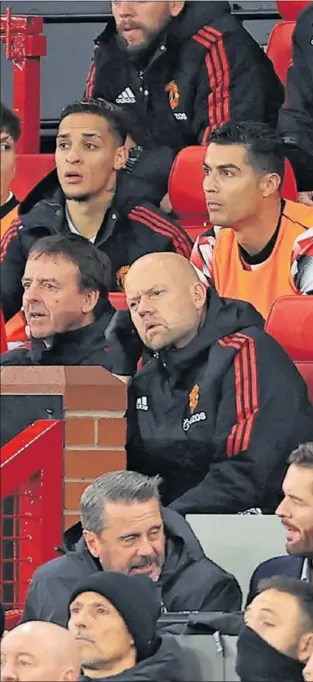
{"points": [[94, 444], [94, 404]]}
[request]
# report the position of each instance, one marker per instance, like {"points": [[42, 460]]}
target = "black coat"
{"points": [[295, 121], [291, 566], [168, 664], [84, 346], [189, 581], [131, 228], [203, 70], [213, 419]]}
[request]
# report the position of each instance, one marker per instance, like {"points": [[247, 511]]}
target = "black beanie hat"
{"points": [[2, 620], [134, 597]]}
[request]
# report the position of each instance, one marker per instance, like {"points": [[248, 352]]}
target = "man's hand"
{"points": [[306, 198], [165, 204]]}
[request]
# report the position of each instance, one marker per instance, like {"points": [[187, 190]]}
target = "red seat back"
{"points": [[118, 300], [186, 192], [279, 48], [3, 337], [290, 322], [30, 169], [290, 9]]}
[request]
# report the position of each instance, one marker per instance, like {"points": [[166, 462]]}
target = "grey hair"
{"points": [[302, 456], [116, 486]]}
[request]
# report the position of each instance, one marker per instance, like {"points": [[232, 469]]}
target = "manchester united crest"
{"points": [[173, 94], [120, 276], [194, 398]]}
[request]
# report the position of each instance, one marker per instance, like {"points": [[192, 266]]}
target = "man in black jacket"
{"points": [[277, 638], [296, 514], [66, 306], [295, 121], [126, 530], [93, 197], [114, 619], [181, 69], [209, 412]]}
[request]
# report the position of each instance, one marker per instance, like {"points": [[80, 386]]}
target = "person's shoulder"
{"points": [[299, 214], [303, 30], [15, 357], [276, 566], [56, 568], [145, 212]]}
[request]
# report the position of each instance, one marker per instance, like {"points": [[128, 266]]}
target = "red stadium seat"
{"points": [[186, 193], [118, 300], [3, 337], [279, 48], [290, 9], [185, 190], [289, 188], [291, 323], [30, 169]]}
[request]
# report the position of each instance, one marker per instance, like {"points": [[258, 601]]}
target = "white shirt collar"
{"points": [[72, 227], [306, 571]]}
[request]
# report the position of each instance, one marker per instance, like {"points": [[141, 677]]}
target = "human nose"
{"points": [[31, 293], [144, 306], [210, 183], [144, 547], [282, 509], [126, 9], [7, 673], [73, 155]]}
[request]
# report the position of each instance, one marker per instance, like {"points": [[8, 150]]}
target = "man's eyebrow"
{"points": [[267, 609], [51, 280], [5, 136], [147, 291], [223, 166], [66, 136]]}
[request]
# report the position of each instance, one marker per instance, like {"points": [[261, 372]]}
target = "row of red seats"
{"points": [[298, 345]]}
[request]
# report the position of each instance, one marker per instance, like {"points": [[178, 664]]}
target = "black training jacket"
{"points": [[84, 346], [296, 116], [131, 228], [203, 70], [169, 663], [189, 581], [218, 418]]}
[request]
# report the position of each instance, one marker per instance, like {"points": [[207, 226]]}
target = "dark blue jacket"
{"points": [[280, 565]]}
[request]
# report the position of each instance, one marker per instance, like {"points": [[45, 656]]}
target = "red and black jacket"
{"points": [[202, 71], [131, 228], [295, 121], [218, 419]]}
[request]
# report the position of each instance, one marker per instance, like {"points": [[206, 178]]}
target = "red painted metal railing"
{"points": [[24, 45], [31, 486]]}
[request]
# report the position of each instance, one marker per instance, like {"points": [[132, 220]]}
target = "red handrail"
{"points": [[24, 45], [31, 476]]}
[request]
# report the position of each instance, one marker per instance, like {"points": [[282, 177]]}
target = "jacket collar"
{"points": [[74, 344]]}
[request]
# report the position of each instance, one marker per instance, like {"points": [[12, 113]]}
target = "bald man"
{"points": [[219, 406], [39, 652]]}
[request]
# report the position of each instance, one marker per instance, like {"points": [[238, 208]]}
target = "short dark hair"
{"points": [[10, 122], [112, 113], [265, 149], [299, 589], [302, 456], [94, 266]]}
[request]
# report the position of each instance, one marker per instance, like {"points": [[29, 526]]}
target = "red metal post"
{"points": [[25, 44], [32, 464]]}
